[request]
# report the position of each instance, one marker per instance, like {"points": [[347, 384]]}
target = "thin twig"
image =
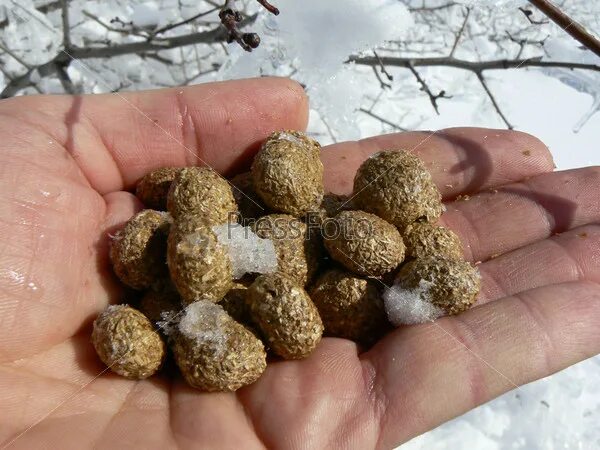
{"points": [[433, 8], [269, 7], [183, 22], [66, 27], [49, 68], [425, 88], [382, 67], [493, 99], [30, 14], [15, 56], [382, 83], [473, 66], [159, 58], [123, 31], [460, 32], [382, 120], [384, 71], [528, 13], [569, 25], [230, 18], [9, 77]]}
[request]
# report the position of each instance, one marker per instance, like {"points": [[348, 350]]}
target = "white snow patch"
{"points": [[291, 138], [410, 306], [248, 252], [204, 322], [145, 15]]}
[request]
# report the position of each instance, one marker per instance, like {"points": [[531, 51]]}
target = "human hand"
{"points": [[67, 164]]}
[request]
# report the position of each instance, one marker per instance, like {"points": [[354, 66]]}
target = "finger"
{"points": [[314, 402], [118, 138], [495, 222], [428, 374], [461, 160], [209, 417], [570, 256]]}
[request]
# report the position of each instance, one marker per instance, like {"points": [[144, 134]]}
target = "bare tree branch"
{"points": [[269, 7], [460, 32], [66, 27], [477, 67], [50, 67], [494, 102], [382, 67], [23, 81], [231, 17], [14, 55], [569, 25], [382, 120], [384, 71], [20, 61], [433, 8], [44, 9], [425, 88], [108, 27], [382, 83], [473, 66], [183, 22], [205, 37], [528, 13]]}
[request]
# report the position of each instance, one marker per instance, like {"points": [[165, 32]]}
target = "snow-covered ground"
{"points": [[311, 40]]}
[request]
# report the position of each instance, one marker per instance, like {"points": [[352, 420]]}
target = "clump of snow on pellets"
{"points": [[248, 252], [411, 305], [268, 263]]}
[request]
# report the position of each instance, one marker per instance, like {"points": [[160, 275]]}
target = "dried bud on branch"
{"points": [[230, 18]]}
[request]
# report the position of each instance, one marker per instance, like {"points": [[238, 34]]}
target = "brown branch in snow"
{"points": [[126, 31], [384, 71], [183, 22], [382, 83], [434, 8], [66, 27], [523, 42], [231, 17], [477, 67], [269, 7], [460, 32], [382, 120], [494, 101], [433, 98], [568, 24], [473, 66], [16, 57], [528, 13], [382, 67], [50, 68]]}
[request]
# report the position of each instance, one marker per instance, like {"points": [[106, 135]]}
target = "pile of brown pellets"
{"points": [[334, 259]]}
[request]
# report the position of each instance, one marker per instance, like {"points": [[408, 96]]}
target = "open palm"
{"points": [[67, 165]]}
